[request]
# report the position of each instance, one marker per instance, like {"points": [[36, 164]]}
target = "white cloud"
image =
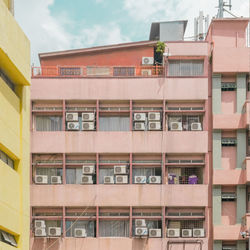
{"points": [[48, 33], [164, 10]]}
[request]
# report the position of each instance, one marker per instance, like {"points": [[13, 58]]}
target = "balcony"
{"points": [[106, 195], [97, 71], [228, 233], [120, 142], [120, 243], [248, 169]]}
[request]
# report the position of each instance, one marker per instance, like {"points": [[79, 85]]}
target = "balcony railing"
{"points": [[97, 71]]}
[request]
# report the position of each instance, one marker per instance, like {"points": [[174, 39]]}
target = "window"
{"points": [[186, 122], [185, 175], [228, 86], [229, 142], [88, 225], [124, 71], [228, 197], [186, 68], [7, 81], [114, 228], [185, 224], [114, 123], [48, 123], [146, 172], [74, 175], [49, 172], [8, 238], [6, 159], [98, 71], [70, 71], [105, 172]]}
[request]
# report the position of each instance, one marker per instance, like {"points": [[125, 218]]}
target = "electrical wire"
{"points": [[73, 222]]}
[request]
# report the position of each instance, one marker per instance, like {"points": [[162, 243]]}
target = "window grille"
{"points": [[228, 142], [70, 71], [186, 67], [185, 224], [123, 71], [185, 175], [228, 86]]}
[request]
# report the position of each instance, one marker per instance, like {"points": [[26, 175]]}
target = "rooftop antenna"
{"points": [[199, 29], [221, 9]]}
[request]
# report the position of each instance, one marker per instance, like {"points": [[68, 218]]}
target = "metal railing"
{"points": [[97, 71]]}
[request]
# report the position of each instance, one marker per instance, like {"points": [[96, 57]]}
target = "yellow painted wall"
{"points": [[14, 130], [14, 47]]}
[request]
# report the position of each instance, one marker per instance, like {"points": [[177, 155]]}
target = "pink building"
{"points": [[130, 155]]}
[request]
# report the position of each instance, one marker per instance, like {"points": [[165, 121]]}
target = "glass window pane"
{"points": [[48, 123]]}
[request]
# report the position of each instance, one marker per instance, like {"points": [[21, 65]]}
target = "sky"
{"points": [[54, 25]]}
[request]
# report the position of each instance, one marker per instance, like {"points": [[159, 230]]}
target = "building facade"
{"points": [[124, 152], [14, 131]]}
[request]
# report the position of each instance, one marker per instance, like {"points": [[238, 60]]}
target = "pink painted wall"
{"points": [[120, 89], [228, 213], [123, 56], [228, 160], [228, 232], [229, 45], [132, 195], [229, 177], [120, 142], [229, 121], [228, 102], [114, 244]]}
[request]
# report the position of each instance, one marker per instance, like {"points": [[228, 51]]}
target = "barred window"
{"points": [[186, 68], [48, 123], [6, 159]]}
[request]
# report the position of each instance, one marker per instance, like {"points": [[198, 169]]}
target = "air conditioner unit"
{"points": [[198, 232], [146, 72], [154, 179], [154, 116], [40, 232], [173, 232], [147, 60], [87, 179], [154, 126], [139, 116], [56, 180], [120, 169], [80, 233], [176, 126], [141, 231], [41, 179], [73, 126], [139, 126], [88, 117], [196, 126], [108, 179], [54, 231], [89, 169], [71, 117], [121, 179], [40, 223], [154, 233], [88, 126], [140, 179], [186, 233], [140, 223]]}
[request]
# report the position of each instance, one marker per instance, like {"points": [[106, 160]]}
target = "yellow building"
{"points": [[14, 131]]}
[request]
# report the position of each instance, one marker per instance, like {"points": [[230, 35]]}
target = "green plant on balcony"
{"points": [[159, 50]]}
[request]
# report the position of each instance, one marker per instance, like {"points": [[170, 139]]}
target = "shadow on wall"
{"points": [[140, 244], [46, 244]]}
